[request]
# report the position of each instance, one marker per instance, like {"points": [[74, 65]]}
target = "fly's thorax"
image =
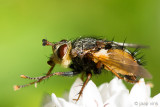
{"points": [[79, 46]]}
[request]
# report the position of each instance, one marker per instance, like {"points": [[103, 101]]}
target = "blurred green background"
{"points": [[24, 23]]}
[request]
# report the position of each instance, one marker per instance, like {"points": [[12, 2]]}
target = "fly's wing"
{"points": [[130, 45], [120, 62]]}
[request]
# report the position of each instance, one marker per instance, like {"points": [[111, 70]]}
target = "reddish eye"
{"points": [[62, 51]]}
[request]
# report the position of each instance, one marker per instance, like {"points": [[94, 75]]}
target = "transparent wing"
{"points": [[130, 45], [121, 62]]}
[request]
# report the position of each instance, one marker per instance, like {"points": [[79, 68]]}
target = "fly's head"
{"points": [[61, 52]]}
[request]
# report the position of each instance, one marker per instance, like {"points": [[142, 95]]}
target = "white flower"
{"points": [[113, 94]]}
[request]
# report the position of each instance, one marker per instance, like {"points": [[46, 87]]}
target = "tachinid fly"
{"points": [[89, 55]]}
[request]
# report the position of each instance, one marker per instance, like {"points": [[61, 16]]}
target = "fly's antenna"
{"points": [[46, 43]]}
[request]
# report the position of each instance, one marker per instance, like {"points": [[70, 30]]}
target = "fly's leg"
{"points": [[89, 75], [52, 64], [39, 79], [131, 79]]}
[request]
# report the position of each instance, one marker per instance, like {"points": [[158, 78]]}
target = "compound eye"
{"points": [[62, 51]]}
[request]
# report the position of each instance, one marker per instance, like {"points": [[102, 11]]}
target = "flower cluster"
{"points": [[113, 94]]}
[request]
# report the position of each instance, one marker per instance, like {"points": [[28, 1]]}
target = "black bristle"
{"points": [[141, 60], [142, 57], [135, 52], [113, 39], [123, 43]]}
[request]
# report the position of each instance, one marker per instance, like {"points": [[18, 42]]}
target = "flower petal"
{"points": [[50, 104], [156, 100], [60, 102], [55, 101], [108, 90], [75, 89], [104, 91], [140, 92], [91, 96], [103, 86], [120, 99], [157, 97], [64, 103], [116, 85], [47, 101]]}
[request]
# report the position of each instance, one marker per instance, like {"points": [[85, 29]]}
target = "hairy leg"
{"points": [[41, 78], [89, 75]]}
